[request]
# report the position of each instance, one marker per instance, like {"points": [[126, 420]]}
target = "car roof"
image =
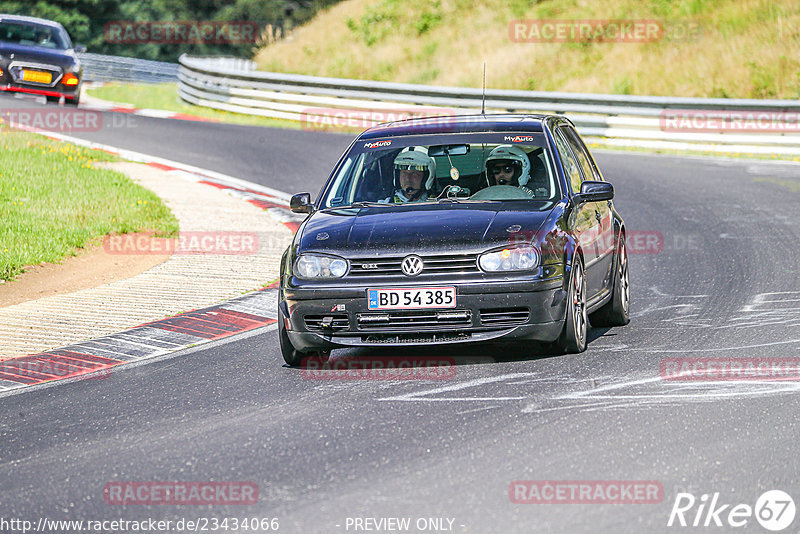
{"points": [[505, 122], [31, 20]]}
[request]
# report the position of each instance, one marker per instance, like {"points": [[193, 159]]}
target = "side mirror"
{"points": [[592, 191], [80, 49], [301, 203]]}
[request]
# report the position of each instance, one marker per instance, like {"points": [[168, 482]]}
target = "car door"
{"points": [[602, 210], [582, 221]]}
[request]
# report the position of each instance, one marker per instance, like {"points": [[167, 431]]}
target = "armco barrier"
{"points": [[751, 126], [100, 68]]}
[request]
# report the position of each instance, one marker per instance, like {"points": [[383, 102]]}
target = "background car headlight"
{"points": [[510, 259], [317, 266]]}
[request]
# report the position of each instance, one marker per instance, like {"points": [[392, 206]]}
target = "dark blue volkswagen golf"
{"points": [[37, 57], [455, 230]]}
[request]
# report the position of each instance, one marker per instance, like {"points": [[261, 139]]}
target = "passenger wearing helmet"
{"points": [[414, 173], [509, 165]]}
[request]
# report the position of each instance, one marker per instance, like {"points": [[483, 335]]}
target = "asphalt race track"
{"points": [[279, 158], [723, 283]]}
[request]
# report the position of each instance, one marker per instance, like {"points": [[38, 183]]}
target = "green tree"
{"points": [[86, 20]]}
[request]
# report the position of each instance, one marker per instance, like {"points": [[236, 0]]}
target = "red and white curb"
{"points": [[97, 104], [143, 112], [94, 358], [276, 203]]}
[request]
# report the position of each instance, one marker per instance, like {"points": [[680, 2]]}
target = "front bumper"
{"points": [[323, 319]]}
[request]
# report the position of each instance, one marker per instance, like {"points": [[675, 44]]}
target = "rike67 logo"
{"points": [[774, 510]]}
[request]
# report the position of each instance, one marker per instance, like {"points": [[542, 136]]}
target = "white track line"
{"points": [[146, 158]]}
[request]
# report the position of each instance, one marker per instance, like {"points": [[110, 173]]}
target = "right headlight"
{"points": [[319, 267], [521, 258]]}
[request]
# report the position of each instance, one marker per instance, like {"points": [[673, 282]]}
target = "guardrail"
{"points": [[622, 120], [100, 68]]}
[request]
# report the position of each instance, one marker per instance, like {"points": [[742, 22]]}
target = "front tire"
{"points": [[616, 311], [573, 337], [291, 355]]}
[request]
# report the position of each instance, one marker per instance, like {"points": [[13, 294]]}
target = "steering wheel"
{"points": [[501, 192]]}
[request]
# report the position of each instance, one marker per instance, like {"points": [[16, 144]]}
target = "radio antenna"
{"points": [[483, 96]]}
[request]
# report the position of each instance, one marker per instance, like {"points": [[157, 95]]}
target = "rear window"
{"points": [[37, 35]]}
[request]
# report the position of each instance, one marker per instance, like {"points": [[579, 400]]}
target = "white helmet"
{"points": [[515, 155], [416, 158]]}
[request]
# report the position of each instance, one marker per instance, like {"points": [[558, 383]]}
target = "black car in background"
{"points": [[37, 57], [453, 230]]}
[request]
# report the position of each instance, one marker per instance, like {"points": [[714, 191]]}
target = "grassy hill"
{"points": [[709, 48]]}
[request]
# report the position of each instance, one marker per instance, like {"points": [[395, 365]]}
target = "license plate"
{"points": [[36, 76], [411, 298]]}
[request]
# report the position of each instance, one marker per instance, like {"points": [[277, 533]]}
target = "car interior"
{"points": [[377, 175]]}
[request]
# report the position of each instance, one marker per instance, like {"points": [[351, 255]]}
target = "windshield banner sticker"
{"points": [[377, 144]]}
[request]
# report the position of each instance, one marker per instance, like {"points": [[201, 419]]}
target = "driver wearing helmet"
{"points": [[509, 165], [414, 173]]}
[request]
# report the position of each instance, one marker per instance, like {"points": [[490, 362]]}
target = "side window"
{"points": [[340, 185], [569, 162], [589, 170]]}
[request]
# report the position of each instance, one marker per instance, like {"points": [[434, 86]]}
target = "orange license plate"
{"points": [[36, 76]]}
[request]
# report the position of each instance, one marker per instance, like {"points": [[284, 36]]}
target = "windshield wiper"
{"points": [[360, 204], [365, 204]]}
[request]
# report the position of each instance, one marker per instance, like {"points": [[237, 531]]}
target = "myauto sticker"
{"points": [[377, 144], [518, 139]]}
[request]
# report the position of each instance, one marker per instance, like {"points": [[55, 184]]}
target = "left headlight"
{"points": [[319, 267], [522, 258]]}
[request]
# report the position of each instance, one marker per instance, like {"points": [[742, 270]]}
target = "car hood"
{"points": [[442, 228], [62, 58]]}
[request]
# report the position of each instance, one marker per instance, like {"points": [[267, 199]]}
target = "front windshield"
{"points": [[458, 167], [29, 34]]}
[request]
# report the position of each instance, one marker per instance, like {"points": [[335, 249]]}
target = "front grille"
{"points": [[499, 316], [433, 337], [447, 264], [336, 321], [415, 319]]}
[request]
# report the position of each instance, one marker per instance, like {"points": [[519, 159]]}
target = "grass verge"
{"points": [[164, 96], [681, 152], [708, 48], [54, 201]]}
